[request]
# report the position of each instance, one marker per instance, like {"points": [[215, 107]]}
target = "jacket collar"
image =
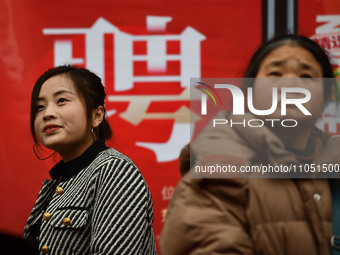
{"points": [[270, 146], [73, 167]]}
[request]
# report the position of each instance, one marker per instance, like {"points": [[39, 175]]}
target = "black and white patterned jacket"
{"points": [[100, 205]]}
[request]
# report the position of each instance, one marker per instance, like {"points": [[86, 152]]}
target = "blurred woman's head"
{"points": [[319, 55], [298, 71]]}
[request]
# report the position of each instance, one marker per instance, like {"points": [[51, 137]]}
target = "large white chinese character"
{"points": [[156, 58]]}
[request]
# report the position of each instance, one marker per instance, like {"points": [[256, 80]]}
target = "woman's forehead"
{"points": [[282, 54], [58, 83]]}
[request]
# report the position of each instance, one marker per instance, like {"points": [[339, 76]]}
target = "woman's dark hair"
{"points": [[89, 87], [294, 40]]}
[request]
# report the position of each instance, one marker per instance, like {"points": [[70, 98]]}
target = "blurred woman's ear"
{"points": [[98, 116]]}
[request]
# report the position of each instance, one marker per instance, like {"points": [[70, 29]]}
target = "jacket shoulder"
{"points": [[113, 160], [190, 229]]}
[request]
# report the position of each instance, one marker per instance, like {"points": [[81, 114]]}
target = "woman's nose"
{"points": [[48, 117], [290, 80], [49, 114]]}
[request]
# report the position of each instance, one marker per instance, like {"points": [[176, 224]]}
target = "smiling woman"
{"points": [[97, 201]]}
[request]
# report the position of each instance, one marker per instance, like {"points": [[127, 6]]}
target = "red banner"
{"points": [[145, 52]]}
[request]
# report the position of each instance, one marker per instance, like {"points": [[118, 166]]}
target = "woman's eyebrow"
{"points": [[309, 68], [62, 92], [305, 66], [56, 94], [275, 63]]}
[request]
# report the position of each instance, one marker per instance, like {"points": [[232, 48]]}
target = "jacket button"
{"points": [[67, 221], [45, 249], [59, 190], [317, 196], [46, 216]]}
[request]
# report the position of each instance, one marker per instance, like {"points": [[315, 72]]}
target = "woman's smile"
{"points": [[51, 128]]}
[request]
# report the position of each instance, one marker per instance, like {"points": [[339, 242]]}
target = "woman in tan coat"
{"points": [[261, 215]]}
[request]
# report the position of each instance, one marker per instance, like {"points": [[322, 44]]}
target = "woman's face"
{"points": [[285, 66], [61, 123]]}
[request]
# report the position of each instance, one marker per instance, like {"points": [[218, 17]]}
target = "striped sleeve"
{"points": [[122, 214]]}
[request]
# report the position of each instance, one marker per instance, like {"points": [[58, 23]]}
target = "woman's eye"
{"points": [[306, 76], [39, 107], [276, 74], [62, 100]]}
